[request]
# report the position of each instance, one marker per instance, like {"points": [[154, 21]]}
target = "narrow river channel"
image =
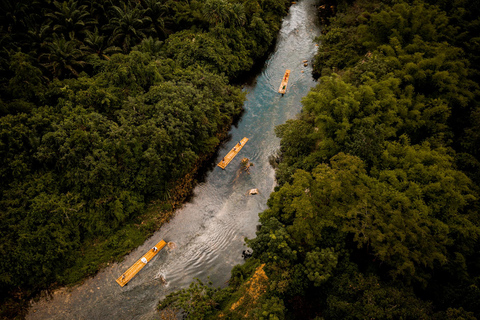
{"points": [[208, 231]]}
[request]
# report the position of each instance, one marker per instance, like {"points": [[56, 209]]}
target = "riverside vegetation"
{"points": [[107, 108], [376, 212]]}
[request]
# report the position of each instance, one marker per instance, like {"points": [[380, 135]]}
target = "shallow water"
{"points": [[208, 231]]}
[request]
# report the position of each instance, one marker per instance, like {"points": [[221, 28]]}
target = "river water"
{"points": [[209, 230]]}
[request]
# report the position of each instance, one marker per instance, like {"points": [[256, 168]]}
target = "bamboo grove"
{"points": [[104, 107], [376, 212]]}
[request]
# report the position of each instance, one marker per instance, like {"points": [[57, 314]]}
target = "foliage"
{"points": [[105, 108], [100, 157], [197, 302], [376, 210], [358, 297]]}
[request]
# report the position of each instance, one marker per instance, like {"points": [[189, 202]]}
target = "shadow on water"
{"points": [[210, 163], [249, 78], [210, 229]]}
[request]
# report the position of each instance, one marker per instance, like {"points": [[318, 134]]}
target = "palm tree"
{"points": [[70, 18], [62, 57], [18, 18], [12, 13], [238, 16], [155, 9], [128, 26], [96, 44], [151, 46], [217, 11], [39, 34], [97, 9]]}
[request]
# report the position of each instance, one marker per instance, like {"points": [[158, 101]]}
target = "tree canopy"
{"points": [[106, 108], [376, 212]]}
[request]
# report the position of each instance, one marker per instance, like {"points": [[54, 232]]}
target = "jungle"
{"points": [[376, 211], [107, 111]]}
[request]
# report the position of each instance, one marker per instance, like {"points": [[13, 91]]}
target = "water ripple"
{"points": [[209, 231]]}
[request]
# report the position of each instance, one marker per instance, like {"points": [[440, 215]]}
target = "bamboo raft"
{"points": [[283, 85], [137, 266], [235, 150]]}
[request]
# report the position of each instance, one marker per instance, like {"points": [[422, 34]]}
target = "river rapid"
{"points": [[209, 230]]}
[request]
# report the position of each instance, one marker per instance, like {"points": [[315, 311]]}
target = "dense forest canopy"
{"points": [[376, 212], [105, 106]]}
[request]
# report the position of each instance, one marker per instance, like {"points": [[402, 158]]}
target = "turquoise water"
{"points": [[208, 231]]}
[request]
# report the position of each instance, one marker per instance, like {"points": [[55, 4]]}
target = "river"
{"points": [[209, 230]]}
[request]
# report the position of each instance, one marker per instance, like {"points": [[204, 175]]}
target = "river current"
{"points": [[209, 230]]}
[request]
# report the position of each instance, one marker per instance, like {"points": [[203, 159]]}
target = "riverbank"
{"points": [[112, 245], [209, 229], [376, 210], [99, 253]]}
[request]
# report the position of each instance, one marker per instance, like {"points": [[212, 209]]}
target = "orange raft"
{"points": [[137, 266], [283, 85], [229, 157]]}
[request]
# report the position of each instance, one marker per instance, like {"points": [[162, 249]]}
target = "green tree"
{"points": [[97, 44], [270, 309], [196, 302], [151, 46], [70, 18], [360, 297], [63, 58], [27, 82], [238, 15], [156, 10], [217, 11], [128, 26]]}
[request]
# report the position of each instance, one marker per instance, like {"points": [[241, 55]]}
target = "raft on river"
{"points": [[137, 266], [235, 150], [283, 85]]}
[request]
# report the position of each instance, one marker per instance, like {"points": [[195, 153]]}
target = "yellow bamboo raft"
{"points": [[283, 85], [137, 266], [229, 157]]}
